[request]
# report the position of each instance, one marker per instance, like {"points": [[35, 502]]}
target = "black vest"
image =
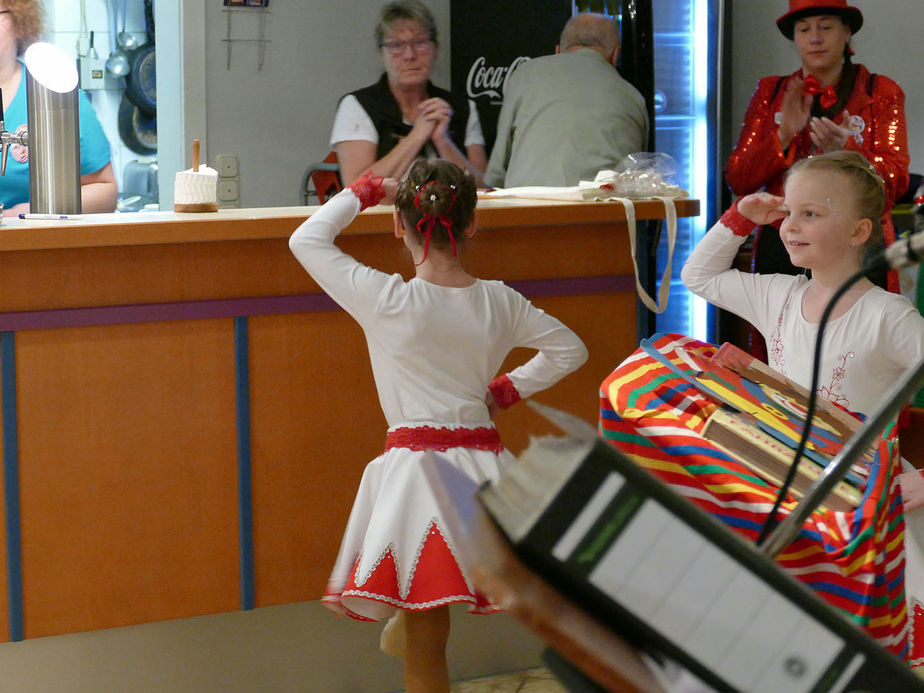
{"points": [[381, 106]]}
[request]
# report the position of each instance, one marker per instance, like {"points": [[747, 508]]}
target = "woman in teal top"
{"points": [[20, 25]]}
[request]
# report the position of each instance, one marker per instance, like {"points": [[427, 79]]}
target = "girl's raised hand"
{"points": [[762, 208], [390, 186]]}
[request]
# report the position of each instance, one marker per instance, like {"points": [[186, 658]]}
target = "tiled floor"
{"points": [[538, 680]]}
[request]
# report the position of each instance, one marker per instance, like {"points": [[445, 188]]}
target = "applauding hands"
{"points": [[795, 116]]}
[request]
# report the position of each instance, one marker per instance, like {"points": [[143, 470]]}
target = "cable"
{"points": [[770, 522]]}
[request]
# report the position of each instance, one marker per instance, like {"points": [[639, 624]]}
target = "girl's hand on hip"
{"points": [[493, 406], [762, 208]]}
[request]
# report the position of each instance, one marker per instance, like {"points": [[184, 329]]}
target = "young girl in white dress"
{"points": [[436, 343], [830, 212]]}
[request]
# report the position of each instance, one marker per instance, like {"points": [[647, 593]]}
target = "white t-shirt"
{"points": [[351, 122]]}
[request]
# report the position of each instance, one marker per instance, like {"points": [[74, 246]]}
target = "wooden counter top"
{"points": [[151, 228]]}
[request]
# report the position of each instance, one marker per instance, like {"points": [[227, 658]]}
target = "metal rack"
{"points": [[261, 39]]}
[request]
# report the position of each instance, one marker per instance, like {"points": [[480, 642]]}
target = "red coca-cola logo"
{"points": [[489, 80]]}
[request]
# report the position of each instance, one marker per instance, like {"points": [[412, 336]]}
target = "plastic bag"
{"points": [[639, 176]]}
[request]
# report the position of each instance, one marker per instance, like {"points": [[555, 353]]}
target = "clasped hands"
{"points": [[432, 121]]}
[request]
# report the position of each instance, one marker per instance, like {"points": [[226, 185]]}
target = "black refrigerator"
{"points": [[672, 51]]}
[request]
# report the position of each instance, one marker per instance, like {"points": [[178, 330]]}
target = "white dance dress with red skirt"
{"points": [[435, 351], [397, 552]]}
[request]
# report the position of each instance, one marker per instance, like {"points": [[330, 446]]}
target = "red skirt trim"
{"points": [[436, 581], [421, 438]]}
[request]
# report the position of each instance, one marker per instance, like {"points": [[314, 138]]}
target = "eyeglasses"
{"points": [[397, 47]]}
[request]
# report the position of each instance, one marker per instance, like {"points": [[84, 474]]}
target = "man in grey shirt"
{"points": [[567, 116]]}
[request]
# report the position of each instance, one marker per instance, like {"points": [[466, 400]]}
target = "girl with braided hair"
{"points": [[436, 343]]}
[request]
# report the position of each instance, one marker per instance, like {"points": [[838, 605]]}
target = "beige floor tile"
{"points": [[537, 680]]}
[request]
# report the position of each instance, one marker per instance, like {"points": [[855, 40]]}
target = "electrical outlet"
{"points": [[228, 190], [227, 165]]}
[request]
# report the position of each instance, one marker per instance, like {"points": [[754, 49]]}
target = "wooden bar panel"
{"points": [[128, 482], [316, 423], [4, 584]]}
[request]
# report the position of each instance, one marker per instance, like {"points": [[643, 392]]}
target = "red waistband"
{"points": [[430, 438]]}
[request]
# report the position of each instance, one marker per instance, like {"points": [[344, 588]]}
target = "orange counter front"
{"points": [[185, 416]]}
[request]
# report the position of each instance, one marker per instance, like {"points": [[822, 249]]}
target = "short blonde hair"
{"points": [[28, 18], [868, 188], [405, 11]]}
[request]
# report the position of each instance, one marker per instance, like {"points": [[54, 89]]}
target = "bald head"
{"points": [[588, 30]]}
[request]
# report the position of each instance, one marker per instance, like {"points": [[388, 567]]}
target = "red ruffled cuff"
{"points": [[504, 391], [739, 224], [368, 188]]}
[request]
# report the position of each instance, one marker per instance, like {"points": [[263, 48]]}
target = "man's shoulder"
{"points": [[540, 63]]}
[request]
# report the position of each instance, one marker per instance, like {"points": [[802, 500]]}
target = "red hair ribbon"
{"points": [[827, 95], [431, 221]]}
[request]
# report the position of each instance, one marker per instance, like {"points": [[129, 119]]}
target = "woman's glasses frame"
{"points": [[398, 47]]}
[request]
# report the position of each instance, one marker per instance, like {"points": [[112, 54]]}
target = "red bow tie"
{"points": [[827, 96]]}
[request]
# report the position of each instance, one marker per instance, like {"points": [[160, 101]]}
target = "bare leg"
{"points": [[425, 668]]}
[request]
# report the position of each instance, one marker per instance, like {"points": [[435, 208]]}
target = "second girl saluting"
{"points": [[831, 211]]}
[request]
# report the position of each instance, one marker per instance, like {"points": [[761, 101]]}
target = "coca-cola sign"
{"points": [[490, 39], [489, 80]]}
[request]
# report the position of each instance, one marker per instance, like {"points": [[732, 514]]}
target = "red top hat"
{"points": [[798, 9]]}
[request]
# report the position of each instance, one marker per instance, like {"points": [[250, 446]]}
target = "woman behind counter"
{"points": [[385, 126], [828, 104], [20, 26]]}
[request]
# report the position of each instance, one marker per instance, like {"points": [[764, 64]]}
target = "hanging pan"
{"points": [[141, 83]]}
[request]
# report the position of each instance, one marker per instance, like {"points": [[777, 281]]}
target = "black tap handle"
{"points": [[1, 108]]}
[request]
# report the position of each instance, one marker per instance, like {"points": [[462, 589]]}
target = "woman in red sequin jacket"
{"points": [[829, 103]]}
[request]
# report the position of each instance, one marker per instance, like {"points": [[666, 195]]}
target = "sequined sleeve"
{"points": [[758, 156], [886, 144]]}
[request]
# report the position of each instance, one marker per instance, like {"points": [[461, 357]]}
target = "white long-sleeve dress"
{"points": [[434, 351]]}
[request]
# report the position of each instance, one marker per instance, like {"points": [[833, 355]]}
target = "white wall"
{"points": [[277, 120], [889, 43]]}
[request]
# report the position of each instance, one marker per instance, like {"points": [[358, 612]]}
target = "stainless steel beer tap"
{"points": [[7, 138]]}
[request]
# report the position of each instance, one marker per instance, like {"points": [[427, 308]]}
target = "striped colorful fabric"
{"points": [[855, 561]]}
